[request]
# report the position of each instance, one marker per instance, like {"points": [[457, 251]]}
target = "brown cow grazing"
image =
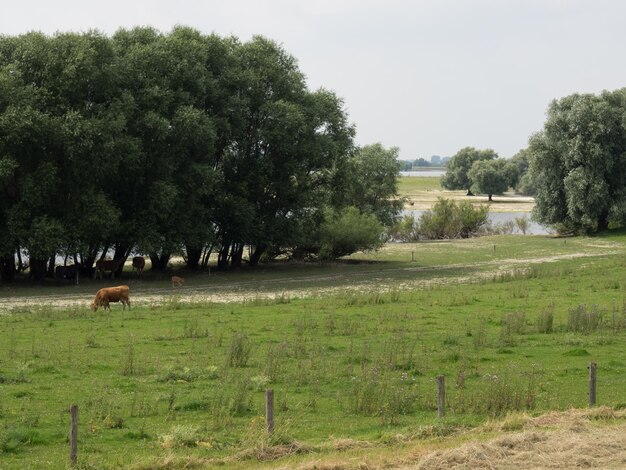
{"points": [[111, 294], [138, 264], [177, 281], [103, 265]]}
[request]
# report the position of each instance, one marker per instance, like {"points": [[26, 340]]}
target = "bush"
{"points": [[441, 221], [523, 224], [471, 218], [347, 231], [448, 219], [405, 230]]}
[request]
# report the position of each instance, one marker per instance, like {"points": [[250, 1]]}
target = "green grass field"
{"points": [[410, 184], [351, 350]]}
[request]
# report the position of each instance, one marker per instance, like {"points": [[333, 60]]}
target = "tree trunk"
{"points": [[88, 260], [256, 255], [20, 263], [469, 192], [159, 262], [51, 265], [603, 221], [121, 252], [206, 256], [490, 199], [38, 269], [237, 255], [193, 256], [222, 259], [7, 268]]}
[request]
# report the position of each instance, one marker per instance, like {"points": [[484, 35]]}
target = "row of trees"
{"points": [[176, 143]]}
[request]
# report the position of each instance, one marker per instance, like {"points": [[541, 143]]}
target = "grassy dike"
{"points": [[179, 382]]}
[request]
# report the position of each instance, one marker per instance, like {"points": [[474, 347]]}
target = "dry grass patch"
{"points": [[556, 440]]}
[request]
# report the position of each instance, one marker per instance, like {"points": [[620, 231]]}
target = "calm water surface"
{"points": [[432, 173]]}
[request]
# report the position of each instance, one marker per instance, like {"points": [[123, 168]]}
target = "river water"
{"points": [[432, 173]]}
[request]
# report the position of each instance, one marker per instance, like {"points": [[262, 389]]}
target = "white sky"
{"points": [[428, 76]]}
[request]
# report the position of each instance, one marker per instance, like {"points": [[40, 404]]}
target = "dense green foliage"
{"points": [[578, 162], [521, 182], [171, 384], [458, 167], [369, 181], [168, 143], [348, 231], [492, 176]]}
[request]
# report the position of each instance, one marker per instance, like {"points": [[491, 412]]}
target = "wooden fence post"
{"points": [[592, 384], [412, 256], [73, 433], [441, 395], [269, 410]]}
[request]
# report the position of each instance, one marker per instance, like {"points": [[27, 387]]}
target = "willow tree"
{"points": [[578, 162]]}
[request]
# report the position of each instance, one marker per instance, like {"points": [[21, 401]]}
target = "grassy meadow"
{"points": [[351, 350]]}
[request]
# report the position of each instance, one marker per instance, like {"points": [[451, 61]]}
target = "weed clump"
{"points": [[585, 320], [240, 348], [386, 395], [13, 440], [512, 324], [545, 320]]}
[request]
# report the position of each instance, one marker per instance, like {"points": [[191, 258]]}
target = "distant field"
{"points": [[422, 192], [351, 350], [411, 184]]}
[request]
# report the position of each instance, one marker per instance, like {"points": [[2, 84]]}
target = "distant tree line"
{"points": [[435, 161], [178, 143]]}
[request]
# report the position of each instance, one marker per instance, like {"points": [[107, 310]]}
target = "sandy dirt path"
{"points": [[362, 281]]}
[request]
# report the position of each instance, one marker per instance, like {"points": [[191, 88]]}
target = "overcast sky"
{"points": [[428, 76]]}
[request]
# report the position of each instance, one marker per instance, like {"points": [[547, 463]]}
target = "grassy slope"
{"points": [[149, 381]]}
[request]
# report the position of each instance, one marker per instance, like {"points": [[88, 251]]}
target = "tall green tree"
{"points": [[492, 176], [458, 167], [579, 161], [370, 182], [285, 141]]}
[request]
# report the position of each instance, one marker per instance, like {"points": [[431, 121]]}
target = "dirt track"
{"points": [[361, 281]]}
